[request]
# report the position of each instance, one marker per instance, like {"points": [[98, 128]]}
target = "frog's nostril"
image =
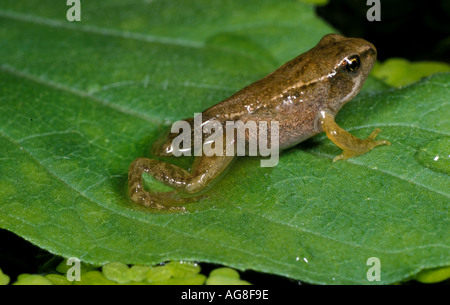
{"points": [[369, 52], [372, 49]]}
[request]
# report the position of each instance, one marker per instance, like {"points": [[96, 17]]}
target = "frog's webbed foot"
{"points": [[157, 200], [351, 145], [160, 201]]}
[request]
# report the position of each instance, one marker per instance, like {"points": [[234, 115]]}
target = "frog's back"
{"points": [[295, 93], [309, 74], [266, 92]]}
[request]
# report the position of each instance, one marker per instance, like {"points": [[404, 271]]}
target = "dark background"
{"points": [[411, 29]]}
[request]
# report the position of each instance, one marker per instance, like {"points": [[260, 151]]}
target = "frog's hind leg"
{"points": [[162, 147], [204, 170], [351, 145]]}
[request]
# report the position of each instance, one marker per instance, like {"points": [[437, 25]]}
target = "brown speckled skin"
{"points": [[305, 78], [293, 95]]}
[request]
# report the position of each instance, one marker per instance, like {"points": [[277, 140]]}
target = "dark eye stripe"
{"points": [[352, 63]]}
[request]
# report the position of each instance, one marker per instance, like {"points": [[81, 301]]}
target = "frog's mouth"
{"points": [[357, 84]]}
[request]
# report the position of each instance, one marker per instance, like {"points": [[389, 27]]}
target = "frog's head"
{"points": [[348, 63]]}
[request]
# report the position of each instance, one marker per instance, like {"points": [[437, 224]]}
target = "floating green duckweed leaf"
{"points": [[182, 269], [138, 273], [158, 274], [4, 279], [122, 274], [58, 279], [198, 279], [171, 273], [84, 267], [117, 272], [225, 276], [176, 273], [32, 279], [400, 72], [94, 278], [433, 276]]}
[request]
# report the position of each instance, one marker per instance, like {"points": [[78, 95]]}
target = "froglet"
{"points": [[304, 95]]}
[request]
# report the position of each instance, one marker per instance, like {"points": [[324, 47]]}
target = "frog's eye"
{"points": [[351, 64]]}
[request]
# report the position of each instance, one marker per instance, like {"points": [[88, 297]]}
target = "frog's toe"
{"points": [[382, 142], [373, 134], [346, 154], [168, 208], [340, 157], [371, 139]]}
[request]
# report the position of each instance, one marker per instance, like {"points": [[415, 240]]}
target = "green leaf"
{"points": [[80, 101], [400, 72], [117, 272], [122, 274], [225, 276], [94, 278], [434, 275], [32, 279], [58, 279], [4, 279], [63, 267], [176, 273], [182, 269], [198, 279], [138, 273]]}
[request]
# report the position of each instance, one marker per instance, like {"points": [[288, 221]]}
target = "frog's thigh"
{"points": [[163, 145], [351, 145]]}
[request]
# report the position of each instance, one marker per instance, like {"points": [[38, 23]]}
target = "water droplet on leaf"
{"points": [[435, 155]]}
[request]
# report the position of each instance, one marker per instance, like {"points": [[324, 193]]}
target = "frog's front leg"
{"points": [[351, 145], [204, 170]]}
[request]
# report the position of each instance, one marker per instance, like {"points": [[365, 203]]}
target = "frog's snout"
{"points": [[372, 50]]}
